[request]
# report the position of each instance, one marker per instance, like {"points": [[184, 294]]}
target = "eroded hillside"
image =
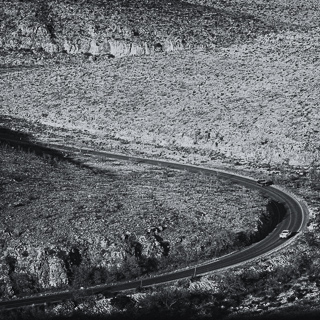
{"points": [[254, 101], [36, 30], [67, 226]]}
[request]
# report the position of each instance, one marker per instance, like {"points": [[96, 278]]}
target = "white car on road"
{"points": [[264, 182], [285, 234]]}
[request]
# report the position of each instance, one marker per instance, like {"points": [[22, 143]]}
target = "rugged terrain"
{"points": [[254, 101], [69, 226], [248, 93], [116, 28], [231, 82]]}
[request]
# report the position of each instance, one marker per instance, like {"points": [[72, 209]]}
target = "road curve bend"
{"points": [[295, 219]]}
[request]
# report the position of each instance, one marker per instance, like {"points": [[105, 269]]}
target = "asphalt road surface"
{"points": [[295, 220]]}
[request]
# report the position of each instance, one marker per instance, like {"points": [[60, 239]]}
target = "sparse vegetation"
{"points": [[128, 219], [232, 81], [235, 89], [55, 30]]}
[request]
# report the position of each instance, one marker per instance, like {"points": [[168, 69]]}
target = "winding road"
{"points": [[295, 219]]}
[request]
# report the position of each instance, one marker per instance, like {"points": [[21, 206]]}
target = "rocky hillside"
{"points": [[64, 225], [256, 101], [40, 29], [257, 73], [292, 14]]}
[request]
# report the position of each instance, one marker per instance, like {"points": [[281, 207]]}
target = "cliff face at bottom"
{"points": [[27, 270]]}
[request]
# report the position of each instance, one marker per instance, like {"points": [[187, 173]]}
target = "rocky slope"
{"points": [[257, 76], [259, 99], [40, 29], [288, 15], [63, 225]]}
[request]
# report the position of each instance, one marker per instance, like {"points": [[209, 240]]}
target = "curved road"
{"points": [[295, 219]]}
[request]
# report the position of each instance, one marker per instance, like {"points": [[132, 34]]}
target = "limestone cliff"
{"points": [[116, 28]]}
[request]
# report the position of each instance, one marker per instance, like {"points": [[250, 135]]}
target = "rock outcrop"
{"points": [[115, 29], [28, 270]]}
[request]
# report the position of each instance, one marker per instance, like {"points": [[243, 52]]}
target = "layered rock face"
{"points": [[26, 270], [117, 28]]}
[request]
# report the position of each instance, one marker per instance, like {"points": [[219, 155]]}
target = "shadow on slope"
{"points": [[24, 141], [38, 313], [290, 313]]}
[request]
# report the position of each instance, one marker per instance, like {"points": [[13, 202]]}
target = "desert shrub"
{"points": [[122, 301], [11, 261], [148, 265], [23, 283], [98, 275], [232, 284], [2, 288], [311, 239], [251, 276]]}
